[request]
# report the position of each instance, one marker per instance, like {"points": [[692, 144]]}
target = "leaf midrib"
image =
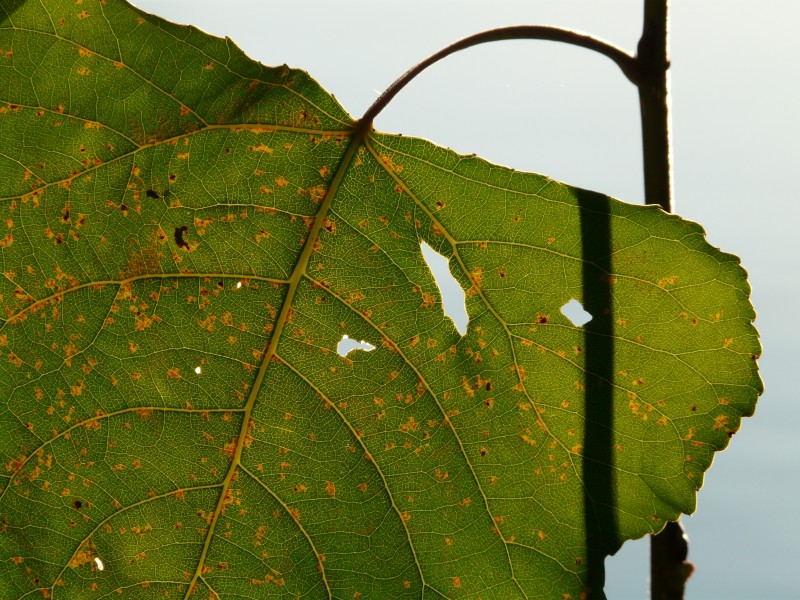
{"points": [[294, 281]]}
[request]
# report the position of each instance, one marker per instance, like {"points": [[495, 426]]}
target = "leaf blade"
{"points": [[199, 257]]}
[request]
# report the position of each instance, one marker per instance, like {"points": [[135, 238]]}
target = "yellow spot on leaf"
{"points": [[671, 280], [260, 148], [720, 422], [81, 558]]}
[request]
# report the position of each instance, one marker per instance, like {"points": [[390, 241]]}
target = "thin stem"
{"points": [[669, 569], [625, 61], [653, 84]]}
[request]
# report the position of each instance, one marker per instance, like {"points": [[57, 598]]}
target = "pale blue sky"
{"points": [[570, 114]]}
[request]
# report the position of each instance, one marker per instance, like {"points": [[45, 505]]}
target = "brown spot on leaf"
{"points": [[181, 243]]}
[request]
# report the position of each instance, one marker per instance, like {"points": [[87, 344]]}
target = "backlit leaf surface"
{"points": [[186, 237]]}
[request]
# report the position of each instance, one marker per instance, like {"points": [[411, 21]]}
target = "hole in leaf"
{"points": [[77, 505], [453, 297], [99, 563], [198, 370], [238, 284], [573, 310], [346, 346], [152, 194]]}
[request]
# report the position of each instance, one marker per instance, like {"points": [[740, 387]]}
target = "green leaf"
{"points": [[187, 237]]}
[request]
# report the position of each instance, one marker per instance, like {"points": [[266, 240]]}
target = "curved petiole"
{"points": [[625, 61]]}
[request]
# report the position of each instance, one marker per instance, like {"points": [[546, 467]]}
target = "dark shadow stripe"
{"points": [[600, 519]]}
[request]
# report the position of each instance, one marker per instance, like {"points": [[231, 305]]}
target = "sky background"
{"points": [[570, 114]]}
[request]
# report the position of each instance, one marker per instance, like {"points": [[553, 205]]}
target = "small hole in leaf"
{"points": [[99, 563], [573, 310], [238, 284], [152, 194], [77, 505], [346, 346], [453, 297], [198, 370]]}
